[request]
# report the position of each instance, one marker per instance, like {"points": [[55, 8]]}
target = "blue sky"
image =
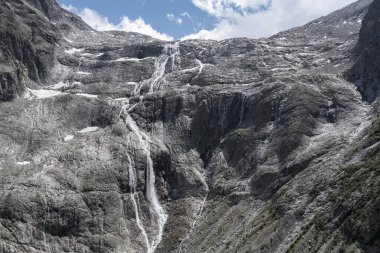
{"points": [[175, 17], [201, 19]]}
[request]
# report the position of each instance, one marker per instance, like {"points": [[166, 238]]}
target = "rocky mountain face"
{"points": [[117, 142], [29, 33], [366, 72]]}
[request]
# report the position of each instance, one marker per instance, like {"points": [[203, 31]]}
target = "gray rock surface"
{"points": [[117, 142], [365, 71], [29, 33]]}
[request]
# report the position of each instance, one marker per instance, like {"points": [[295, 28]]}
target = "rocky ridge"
{"points": [[117, 142]]}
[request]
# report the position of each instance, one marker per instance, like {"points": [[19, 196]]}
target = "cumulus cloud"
{"points": [[260, 18], [230, 8], [101, 23]]}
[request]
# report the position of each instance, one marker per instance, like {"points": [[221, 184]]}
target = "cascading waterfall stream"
{"points": [[157, 80], [242, 110], [156, 209], [195, 222], [132, 185], [175, 54], [170, 51]]}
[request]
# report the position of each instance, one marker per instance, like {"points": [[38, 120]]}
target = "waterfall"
{"points": [[156, 210], [242, 110], [201, 66], [174, 54], [155, 206], [132, 185], [46, 242], [170, 52], [157, 80]]}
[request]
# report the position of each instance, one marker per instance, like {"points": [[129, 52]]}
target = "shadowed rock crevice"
{"points": [[365, 72]]}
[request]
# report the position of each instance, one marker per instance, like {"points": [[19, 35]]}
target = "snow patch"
{"points": [[68, 137], [87, 95], [87, 55], [74, 50], [41, 94], [127, 59], [88, 130], [58, 86], [83, 73], [23, 163], [92, 55], [121, 99], [62, 85]]}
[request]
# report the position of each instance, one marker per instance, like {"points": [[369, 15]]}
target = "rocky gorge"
{"points": [[118, 142]]}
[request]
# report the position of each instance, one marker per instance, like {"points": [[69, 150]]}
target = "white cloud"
{"points": [[187, 15], [173, 18], [101, 23], [69, 8], [229, 8], [248, 18]]}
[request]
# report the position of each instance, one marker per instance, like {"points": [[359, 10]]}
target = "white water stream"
{"points": [[134, 198], [156, 210], [171, 51], [198, 216], [157, 80]]}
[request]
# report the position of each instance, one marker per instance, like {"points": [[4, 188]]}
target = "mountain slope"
{"points": [[130, 144]]}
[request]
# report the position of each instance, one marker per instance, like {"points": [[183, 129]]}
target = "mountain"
{"points": [[118, 142]]}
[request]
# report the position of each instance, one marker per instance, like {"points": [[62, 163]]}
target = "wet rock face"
{"points": [[10, 85], [117, 142], [366, 70]]}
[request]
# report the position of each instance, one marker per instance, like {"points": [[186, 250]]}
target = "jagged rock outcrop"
{"points": [[29, 35], [124, 143], [365, 72]]}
